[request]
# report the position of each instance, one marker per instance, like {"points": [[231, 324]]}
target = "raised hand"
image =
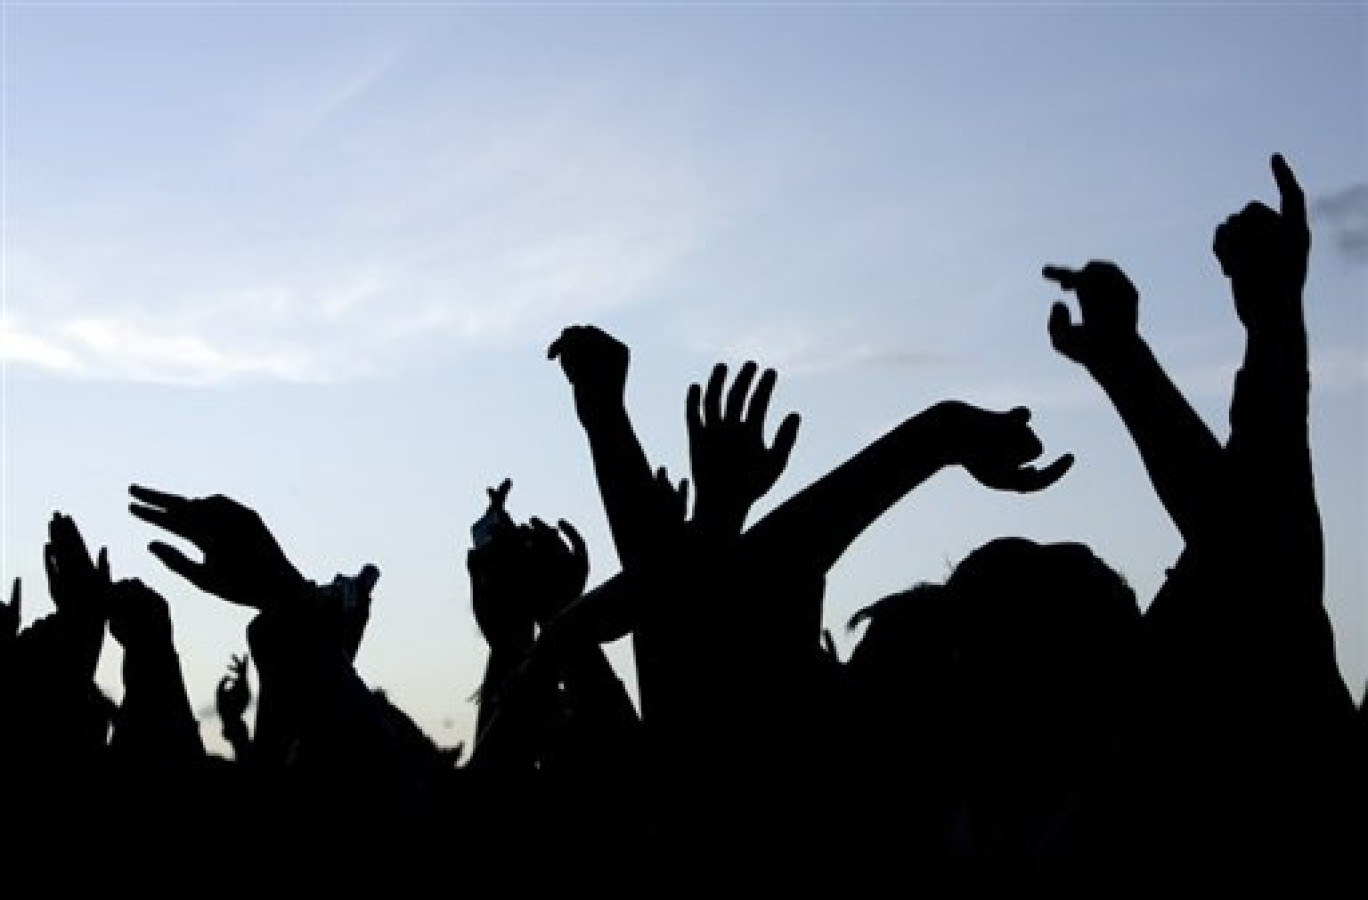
{"points": [[242, 562], [1109, 306], [673, 498], [998, 447], [495, 519], [523, 577], [233, 694], [77, 585], [595, 363], [732, 466], [139, 618], [560, 560], [79, 588], [1265, 253]]}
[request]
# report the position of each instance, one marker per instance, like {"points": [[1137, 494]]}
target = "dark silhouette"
{"points": [[1247, 738], [1025, 724]]}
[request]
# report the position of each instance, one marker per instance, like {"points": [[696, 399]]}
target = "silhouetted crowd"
{"points": [[1026, 723]]}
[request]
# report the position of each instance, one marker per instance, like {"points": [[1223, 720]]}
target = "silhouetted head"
{"points": [[1045, 643], [902, 665]]}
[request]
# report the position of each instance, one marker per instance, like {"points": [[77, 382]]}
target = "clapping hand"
{"points": [[79, 587]]}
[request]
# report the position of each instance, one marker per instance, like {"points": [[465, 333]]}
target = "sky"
{"points": [[311, 255]]}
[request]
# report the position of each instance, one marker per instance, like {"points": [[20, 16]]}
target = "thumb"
{"points": [[177, 562], [1063, 333]]}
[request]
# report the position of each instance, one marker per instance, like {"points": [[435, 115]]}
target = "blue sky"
{"points": [[310, 255]]}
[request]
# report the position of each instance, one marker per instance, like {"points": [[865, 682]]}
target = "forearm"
{"points": [[1270, 446], [156, 720], [236, 734], [819, 523], [1183, 459], [626, 483], [1271, 406]]}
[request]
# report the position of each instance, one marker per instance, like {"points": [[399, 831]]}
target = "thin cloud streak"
{"points": [[1345, 214]]}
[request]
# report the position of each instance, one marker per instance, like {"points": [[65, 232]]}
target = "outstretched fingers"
{"points": [[758, 407], [158, 498], [736, 397], [712, 396]]}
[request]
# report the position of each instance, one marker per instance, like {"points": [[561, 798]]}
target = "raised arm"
{"points": [[1265, 255], [595, 363], [1181, 455], [155, 729], [813, 528]]}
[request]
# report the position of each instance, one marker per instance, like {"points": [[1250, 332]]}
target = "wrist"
{"points": [[1119, 359], [599, 409]]}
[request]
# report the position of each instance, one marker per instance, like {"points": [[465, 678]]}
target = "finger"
{"points": [[1293, 203], [784, 439], [558, 346], [16, 603], [1030, 479], [366, 578], [498, 495], [172, 521], [102, 564], [1062, 330], [712, 397], [67, 537], [577, 545], [693, 412], [177, 562], [682, 497], [158, 498], [760, 400], [1220, 241], [736, 397], [51, 568], [1065, 277]]}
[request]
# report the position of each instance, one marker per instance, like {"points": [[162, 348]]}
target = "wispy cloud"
{"points": [[814, 347], [390, 271], [1345, 213]]}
